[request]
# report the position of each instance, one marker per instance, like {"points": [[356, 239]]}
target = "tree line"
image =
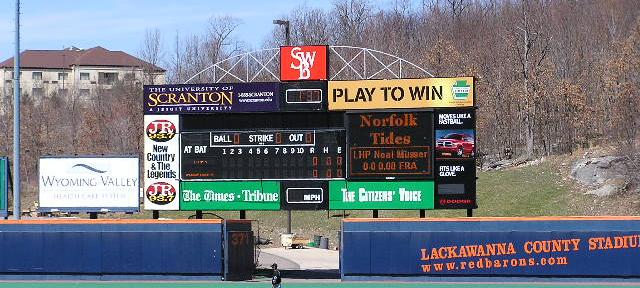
{"points": [[552, 76]]}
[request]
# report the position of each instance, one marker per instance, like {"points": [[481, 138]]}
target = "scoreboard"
{"points": [[263, 154], [310, 145]]}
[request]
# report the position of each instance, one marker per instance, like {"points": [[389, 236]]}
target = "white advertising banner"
{"points": [[89, 183], [161, 162]]}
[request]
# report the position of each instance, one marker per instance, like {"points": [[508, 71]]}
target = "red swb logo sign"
{"points": [[303, 63]]}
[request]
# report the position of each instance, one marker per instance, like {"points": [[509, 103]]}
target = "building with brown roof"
{"points": [[47, 71]]}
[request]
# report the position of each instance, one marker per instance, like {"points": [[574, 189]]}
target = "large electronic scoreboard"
{"points": [[263, 154], [311, 144]]}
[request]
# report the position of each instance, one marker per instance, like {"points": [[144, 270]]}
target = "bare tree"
{"points": [[174, 73], [151, 52], [350, 20]]}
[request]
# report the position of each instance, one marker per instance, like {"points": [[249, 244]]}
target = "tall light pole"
{"points": [[16, 120], [285, 23], [287, 42]]}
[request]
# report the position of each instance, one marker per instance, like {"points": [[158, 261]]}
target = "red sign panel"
{"points": [[303, 63]]}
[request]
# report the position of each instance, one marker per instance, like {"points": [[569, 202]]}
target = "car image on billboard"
{"points": [[455, 143]]}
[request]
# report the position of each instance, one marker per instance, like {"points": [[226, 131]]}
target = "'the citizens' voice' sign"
{"points": [[303, 63], [401, 93], [397, 195]]}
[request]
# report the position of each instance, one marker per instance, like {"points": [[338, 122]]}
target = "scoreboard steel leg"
{"points": [[288, 221]]}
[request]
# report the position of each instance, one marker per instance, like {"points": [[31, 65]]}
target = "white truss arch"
{"points": [[345, 63]]}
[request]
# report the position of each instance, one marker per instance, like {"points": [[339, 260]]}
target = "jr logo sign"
{"points": [[303, 63]]}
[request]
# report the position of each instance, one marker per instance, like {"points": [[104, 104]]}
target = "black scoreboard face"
{"points": [[263, 154], [390, 145]]}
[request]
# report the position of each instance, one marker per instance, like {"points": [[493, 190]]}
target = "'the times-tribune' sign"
{"points": [[401, 93], [230, 195]]}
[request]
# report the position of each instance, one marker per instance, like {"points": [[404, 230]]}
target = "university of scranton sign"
{"points": [[210, 98]]}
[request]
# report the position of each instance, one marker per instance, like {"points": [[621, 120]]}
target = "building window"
{"points": [[107, 78], [13, 75], [129, 77], [37, 92], [84, 76], [62, 76], [36, 76]]}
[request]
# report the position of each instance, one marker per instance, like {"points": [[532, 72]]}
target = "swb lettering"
{"points": [[305, 62]]}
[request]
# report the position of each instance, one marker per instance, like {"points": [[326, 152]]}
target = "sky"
{"points": [[121, 24]]}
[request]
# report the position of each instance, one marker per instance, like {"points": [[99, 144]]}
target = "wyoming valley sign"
{"points": [[309, 143]]}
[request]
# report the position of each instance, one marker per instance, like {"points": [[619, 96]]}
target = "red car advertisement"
{"points": [[455, 143]]}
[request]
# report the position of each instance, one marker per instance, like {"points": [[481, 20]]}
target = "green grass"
{"points": [[525, 191]]}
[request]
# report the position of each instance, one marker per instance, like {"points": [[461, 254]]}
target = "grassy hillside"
{"points": [[537, 190]]}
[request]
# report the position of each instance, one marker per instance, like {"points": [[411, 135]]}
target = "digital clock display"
{"points": [[266, 154], [304, 95]]}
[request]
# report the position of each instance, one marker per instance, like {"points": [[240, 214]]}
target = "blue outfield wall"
{"points": [[505, 247], [111, 247]]}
